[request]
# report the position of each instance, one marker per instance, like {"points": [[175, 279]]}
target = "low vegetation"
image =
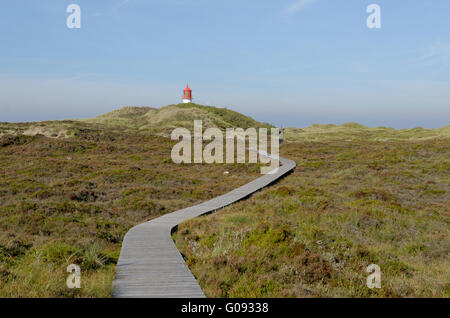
{"points": [[358, 196], [357, 132], [69, 191], [162, 121]]}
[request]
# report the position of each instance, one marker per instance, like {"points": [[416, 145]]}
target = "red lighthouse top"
{"points": [[187, 93]]}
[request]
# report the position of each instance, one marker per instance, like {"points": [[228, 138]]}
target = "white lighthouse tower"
{"points": [[187, 95]]}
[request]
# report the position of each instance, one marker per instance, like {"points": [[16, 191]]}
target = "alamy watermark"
{"points": [[74, 279], [374, 279], [374, 19], [74, 19], [192, 146]]}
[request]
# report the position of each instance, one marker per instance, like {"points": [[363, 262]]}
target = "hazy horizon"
{"points": [[273, 122], [290, 63]]}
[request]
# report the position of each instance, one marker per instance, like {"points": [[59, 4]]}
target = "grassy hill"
{"points": [[70, 190], [158, 121], [357, 132], [163, 120], [358, 196]]}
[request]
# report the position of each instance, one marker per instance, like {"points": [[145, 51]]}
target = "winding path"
{"points": [[150, 265]]}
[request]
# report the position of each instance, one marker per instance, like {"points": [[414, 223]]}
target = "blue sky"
{"points": [[291, 63]]}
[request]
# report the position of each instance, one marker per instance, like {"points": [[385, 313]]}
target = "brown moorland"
{"points": [[70, 190], [358, 196]]}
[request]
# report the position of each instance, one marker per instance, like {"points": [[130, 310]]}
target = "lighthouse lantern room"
{"points": [[187, 95]]}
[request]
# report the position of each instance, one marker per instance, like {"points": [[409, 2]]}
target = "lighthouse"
{"points": [[187, 95]]}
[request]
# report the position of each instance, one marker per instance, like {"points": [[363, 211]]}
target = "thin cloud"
{"points": [[440, 53], [436, 59], [120, 4], [297, 6], [115, 7]]}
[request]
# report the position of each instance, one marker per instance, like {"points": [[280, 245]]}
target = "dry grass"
{"points": [[359, 196], [71, 200], [351, 202], [162, 121], [357, 132]]}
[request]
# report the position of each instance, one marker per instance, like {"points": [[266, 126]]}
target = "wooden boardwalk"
{"points": [[150, 265]]}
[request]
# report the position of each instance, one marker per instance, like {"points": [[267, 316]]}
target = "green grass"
{"points": [[352, 201], [67, 200], [70, 190], [357, 132], [162, 120]]}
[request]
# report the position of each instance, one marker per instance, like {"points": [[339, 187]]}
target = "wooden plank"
{"points": [[151, 266]]}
